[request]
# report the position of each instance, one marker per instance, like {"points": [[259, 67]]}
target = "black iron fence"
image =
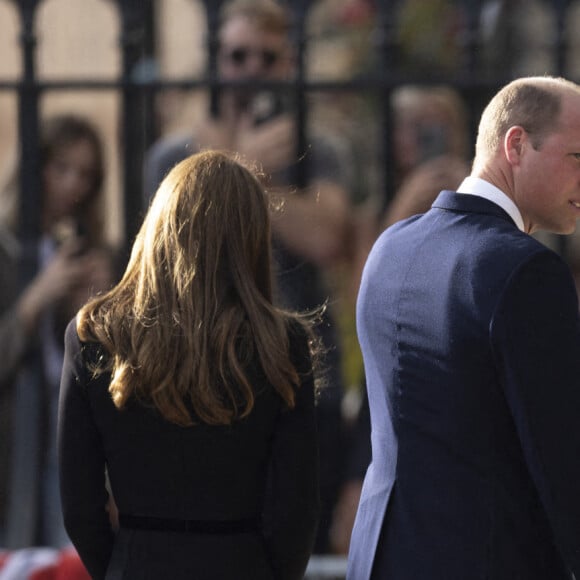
{"points": [[472, 71]]}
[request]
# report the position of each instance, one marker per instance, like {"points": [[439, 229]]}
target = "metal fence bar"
{"points": [[28, 127], [134, 109]]}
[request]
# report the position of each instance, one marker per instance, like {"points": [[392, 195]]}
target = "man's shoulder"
{"points": [[162, 156], [178, 144], [481, 236]]}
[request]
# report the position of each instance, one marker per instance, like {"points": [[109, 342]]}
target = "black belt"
{"points": [[242, 526]]}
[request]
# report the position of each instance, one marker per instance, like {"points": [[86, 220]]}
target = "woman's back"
{"points": [[250, 488]]}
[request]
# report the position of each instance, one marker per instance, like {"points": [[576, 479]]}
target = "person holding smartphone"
{"points": [[73, 263]]}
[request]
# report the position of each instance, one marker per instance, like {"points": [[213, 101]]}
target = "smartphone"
{"points": [[70, 229], [267, 105]]}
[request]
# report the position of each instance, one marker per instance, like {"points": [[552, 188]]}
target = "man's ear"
{"points": [[513, 144]]}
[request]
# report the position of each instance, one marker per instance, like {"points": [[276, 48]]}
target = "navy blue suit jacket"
{"points": [[471, 341]]}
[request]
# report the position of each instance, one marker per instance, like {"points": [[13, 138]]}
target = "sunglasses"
{"points": [[239, 56]]}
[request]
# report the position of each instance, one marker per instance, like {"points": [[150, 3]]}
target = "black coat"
{"points": [[265, 466]]}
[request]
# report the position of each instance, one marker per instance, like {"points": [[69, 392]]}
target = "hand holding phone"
{"points": [[266, 106]]}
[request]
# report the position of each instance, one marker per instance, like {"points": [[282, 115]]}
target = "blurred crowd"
{"points": [[329, 204]]}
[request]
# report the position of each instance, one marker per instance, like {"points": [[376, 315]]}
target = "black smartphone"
{"points": [[267, 105]]}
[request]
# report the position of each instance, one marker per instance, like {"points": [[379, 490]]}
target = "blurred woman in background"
{"points": [[73, 263]]}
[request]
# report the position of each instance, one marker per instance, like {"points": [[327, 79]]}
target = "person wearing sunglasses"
{"points": [[310, 224]]}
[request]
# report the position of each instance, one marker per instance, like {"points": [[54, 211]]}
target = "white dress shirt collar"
{"points": [[480, 187]]}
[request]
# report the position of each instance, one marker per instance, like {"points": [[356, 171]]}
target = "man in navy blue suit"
{"points": [[470, 333]]}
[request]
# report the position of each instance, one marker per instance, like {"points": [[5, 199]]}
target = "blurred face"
{"points": [[421, 132], [68, 180], [547, 180], [405, 143], [247, 52]]}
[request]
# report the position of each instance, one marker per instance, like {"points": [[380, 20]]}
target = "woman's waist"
{"points": [[243, 525]]}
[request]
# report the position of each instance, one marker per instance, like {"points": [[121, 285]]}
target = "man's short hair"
{"points": [[268, 15], [533, 103]]}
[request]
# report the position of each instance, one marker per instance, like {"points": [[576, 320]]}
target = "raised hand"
{"points": [[61, 275], [271, 144]]}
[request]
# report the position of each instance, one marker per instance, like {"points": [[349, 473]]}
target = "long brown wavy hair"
{"points": [[194, 307]]}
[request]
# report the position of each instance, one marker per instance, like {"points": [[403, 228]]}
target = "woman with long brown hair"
{"points": [[196, 395]]}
